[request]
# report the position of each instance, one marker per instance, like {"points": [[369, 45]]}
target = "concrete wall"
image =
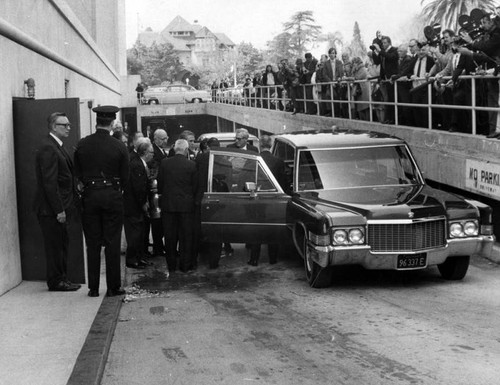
{"points": [[46, 41]]}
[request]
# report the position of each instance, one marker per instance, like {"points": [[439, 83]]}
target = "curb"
{"points": [[90, 364]]}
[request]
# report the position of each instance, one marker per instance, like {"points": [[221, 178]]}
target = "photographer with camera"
{"points": [[291, 82], [387, 56], [377, 40], [487, 52]]}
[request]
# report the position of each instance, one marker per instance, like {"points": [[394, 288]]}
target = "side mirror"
{"points": [[250, 187]]}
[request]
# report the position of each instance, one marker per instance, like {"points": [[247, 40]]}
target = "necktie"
{"points": [[419, 67], [455, 61], [66, 155]]}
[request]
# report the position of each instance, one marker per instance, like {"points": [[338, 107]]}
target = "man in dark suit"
{"points": [[457, 65], [135, 204], [333, 70], [54, 200], [177, 186], [405, 64], [241, 141], [419, 93], [309, 69], [277, 167], [387, 56], [188, 136], [160, 147]]}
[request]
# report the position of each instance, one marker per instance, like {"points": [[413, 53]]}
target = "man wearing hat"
{"points": [[487, 49], [102, 167]]}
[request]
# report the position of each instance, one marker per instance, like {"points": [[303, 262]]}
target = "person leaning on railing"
{"points": [[324, 93], [487, 49], [459, 89], [405, 66], [361, 90]]}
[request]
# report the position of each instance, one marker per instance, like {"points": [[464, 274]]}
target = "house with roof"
{"points": [[193, 43]]}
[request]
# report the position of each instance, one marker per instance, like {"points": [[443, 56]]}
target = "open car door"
{"points": [[244, 202]]}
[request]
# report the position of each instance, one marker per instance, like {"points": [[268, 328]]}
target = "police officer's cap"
{"points": [[106, 112]]}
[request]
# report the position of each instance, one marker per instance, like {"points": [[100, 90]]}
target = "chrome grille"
{"points": [[406, 237]]}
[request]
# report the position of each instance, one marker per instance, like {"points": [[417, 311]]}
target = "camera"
{"points": [[377, 40], [431, 33], [471, 25]]}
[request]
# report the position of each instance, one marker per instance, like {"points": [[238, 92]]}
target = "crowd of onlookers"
{"points": [[388, 74]]}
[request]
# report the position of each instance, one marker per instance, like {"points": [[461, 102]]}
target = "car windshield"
{"points": [[326, 169]]}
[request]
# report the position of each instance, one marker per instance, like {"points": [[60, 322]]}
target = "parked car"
{"points": [[227, 138], [353, 198], [174, 93]]}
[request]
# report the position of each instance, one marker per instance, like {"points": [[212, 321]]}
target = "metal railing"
{"points": [[278, 97]]}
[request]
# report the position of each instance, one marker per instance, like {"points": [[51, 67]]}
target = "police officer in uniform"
{"points": [[102, 167]]}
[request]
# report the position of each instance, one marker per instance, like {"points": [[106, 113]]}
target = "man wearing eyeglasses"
{"points": [[54, 200], [241, 141]]}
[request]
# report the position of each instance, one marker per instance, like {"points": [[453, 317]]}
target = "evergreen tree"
{"points": [[248, 60], [279, 48], [357, 47], [303, 31]]}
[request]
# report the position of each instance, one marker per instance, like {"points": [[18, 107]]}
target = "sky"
{"points": [[258, 21]]}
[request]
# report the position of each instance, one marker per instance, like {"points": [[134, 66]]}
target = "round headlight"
{"points": [[356, 236], [456, 230], [470, 229], [339, 237]]}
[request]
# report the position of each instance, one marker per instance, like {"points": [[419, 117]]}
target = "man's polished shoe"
{"points": [[93, 293], [135, 265], [115, 292], [73, 284], [145, 262], [65, 286]]}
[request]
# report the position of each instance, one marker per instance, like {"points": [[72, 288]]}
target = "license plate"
{"points": [[413, 261]]}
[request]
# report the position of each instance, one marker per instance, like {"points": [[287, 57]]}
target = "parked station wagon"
{"points": [[353, 198]]}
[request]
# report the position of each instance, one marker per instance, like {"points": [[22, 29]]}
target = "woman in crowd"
{"points": [[360, 90], [269, 80]]}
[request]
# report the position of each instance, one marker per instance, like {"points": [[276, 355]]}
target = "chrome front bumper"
{"points": [[362, 255]]}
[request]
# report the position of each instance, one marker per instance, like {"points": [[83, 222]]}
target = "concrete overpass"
{"points": [[470, 163]]}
